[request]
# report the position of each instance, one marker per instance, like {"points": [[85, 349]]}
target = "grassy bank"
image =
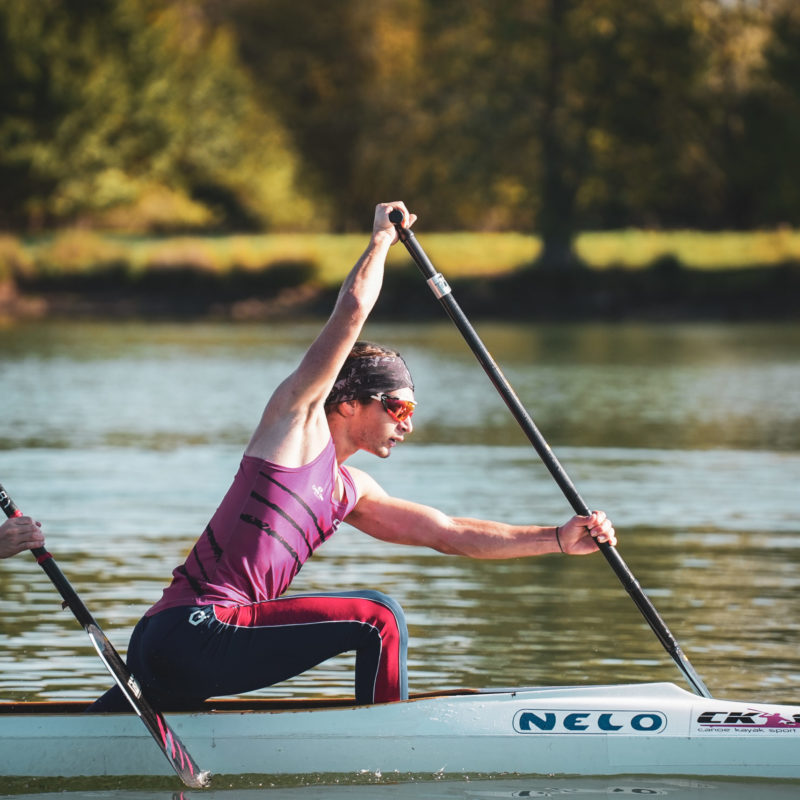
{"points": [[456, 254], [83, 253], [274, 273]]}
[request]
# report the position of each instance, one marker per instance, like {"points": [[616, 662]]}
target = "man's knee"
{"points": [[389, 607]]}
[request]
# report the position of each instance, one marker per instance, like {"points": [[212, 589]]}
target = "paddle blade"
{"points": [[172, 747]]}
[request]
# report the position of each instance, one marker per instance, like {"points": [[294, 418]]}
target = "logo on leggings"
{"points": [[199, 615]]}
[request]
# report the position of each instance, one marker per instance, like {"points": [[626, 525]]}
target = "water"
{"points": [[121, 439]]}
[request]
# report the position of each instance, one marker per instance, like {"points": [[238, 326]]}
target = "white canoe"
{"points": [[653, 729]]}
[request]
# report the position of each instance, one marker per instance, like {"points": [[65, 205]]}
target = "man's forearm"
{"points": [[496, 540]]}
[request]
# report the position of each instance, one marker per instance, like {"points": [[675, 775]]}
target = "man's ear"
{"points": [[345, 409]]}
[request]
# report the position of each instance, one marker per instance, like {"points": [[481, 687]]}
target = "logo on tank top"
{"points": [[318, 492]]}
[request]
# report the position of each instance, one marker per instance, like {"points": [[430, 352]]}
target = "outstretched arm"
{"points": [[404, 522], [293, 429]]}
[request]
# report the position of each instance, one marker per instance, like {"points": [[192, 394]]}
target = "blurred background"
{"points": [[124, 120]]}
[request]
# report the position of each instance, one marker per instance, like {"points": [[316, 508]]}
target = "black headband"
{"points": [[369, 375]]}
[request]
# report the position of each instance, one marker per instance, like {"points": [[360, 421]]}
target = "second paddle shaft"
{"points": [[167, 740]]}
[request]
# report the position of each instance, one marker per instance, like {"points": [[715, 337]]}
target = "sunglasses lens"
{"points": [[399, 410]]}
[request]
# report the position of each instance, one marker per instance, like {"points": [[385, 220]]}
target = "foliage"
{"points": [[559, 101], [341, 76], [546, 116], [134, 113], [75, 252], [15, 261]]}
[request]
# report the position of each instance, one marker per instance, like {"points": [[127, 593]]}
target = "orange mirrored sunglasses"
{"points": [[399, 410]]}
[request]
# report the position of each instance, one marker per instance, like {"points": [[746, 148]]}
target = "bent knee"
{"points": [[388, 609]]}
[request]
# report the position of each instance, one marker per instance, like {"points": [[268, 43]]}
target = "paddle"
{"points": [[165, 737], [442, 291]]}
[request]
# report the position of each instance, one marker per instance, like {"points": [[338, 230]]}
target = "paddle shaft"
{"points": [[172, 747], [442, 291]]}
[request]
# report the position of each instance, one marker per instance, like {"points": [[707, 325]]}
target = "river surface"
{"points": [[122, 438]]}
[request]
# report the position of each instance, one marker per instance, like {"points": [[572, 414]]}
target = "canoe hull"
{"points": [[650, 729]]}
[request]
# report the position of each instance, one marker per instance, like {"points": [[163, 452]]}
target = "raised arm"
{"points": [[293, 428]]}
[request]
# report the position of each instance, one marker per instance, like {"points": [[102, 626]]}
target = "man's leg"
{"points": [[268, 642]]}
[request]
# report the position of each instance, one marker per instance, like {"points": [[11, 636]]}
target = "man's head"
{"points": [[370, 370], [372, 400]]}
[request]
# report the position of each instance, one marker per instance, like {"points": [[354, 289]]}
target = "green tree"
{"points": [[734, 36], [573, 113], [340, 74], [134, 112], [779, 127]]}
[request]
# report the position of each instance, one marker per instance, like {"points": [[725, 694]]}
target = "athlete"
{"points": [[224, 625]]}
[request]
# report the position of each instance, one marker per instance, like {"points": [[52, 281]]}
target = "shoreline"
{"points": [[667, 293]]}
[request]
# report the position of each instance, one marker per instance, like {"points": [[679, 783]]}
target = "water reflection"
{"points": [[123, 438]]}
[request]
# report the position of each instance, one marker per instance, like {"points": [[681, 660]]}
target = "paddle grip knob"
{"points": [[395, 216]]}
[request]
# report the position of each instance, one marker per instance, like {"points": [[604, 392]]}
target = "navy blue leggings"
{"points": [[182, 656]]}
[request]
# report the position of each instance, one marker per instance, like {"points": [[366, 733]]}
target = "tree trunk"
{"points": [[557, 218]]}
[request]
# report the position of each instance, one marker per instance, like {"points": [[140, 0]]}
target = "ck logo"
{"points": [[749, 718]]}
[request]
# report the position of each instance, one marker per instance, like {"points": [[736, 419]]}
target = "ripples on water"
{"points": [[123, 438]]}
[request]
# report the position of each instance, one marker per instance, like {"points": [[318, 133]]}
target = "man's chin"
{"points": [[381, 451]]}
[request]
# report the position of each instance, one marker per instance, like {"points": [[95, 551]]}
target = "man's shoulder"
{"points": [[366, 486]]}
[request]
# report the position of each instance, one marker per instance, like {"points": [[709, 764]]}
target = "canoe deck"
{"points": [[218, 705]]}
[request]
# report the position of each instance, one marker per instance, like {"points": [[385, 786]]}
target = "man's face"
{"points": [[383, 422]]}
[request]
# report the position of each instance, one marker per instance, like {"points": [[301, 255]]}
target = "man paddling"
{"points": [[224, 625]]}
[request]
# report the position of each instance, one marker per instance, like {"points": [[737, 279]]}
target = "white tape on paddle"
{"points": [[439, 285]]}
